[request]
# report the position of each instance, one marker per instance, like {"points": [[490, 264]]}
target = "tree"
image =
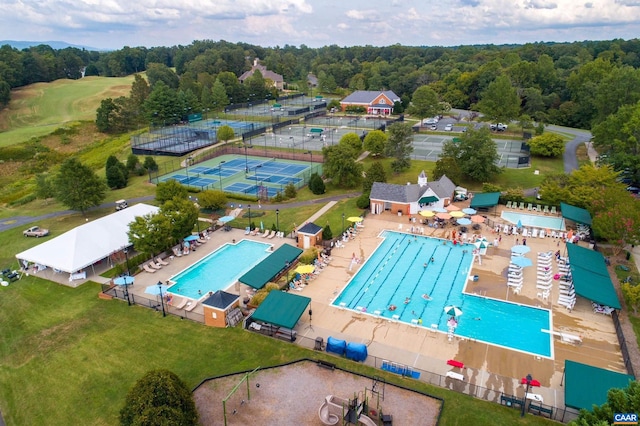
{"points": [[116, 172], [182, 214], [616, 218], [476, 154], [500, 101], [44, 188], [375, 142], [425, 102], [132, 162], [447, 166], [327, 234], [160, 397], [212, 199], [219, 97], [225, 133], [400, 146], [105, 114], [631, 293], [151, 233], [316, 184], [618, 401], [290, 190], [353, 140], [78, 187], [340, 165], [170, 189], [150, 164], [375, 173], [547, 145]]}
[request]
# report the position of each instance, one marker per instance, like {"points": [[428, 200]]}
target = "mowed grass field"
{"points": [[39, 109]]}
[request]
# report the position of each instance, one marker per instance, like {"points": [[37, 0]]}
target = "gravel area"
{"points": [[293, 394]]}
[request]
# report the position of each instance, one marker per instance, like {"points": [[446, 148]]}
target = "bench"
{"points": [[510, 401], [539, 409], [325, 364]]}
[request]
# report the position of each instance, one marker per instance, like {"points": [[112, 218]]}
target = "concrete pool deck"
{"points": [[486, 365]]}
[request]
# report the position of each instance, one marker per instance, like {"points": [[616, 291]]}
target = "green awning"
{"points": [[591, 277], [586, 385], [485, 199], [428, 199], [281, 309], [575, 213], [270, 267]]}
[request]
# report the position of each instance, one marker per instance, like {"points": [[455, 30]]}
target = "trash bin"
{"points": [[318, 346], [475, 278]]}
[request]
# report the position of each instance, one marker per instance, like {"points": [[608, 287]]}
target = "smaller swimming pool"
{"points": [[556, 223], [220, 269]]}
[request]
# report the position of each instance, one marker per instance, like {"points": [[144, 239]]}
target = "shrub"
{"points": [[309, 256], [327, 234], [290, 190], [489, 187], [316, 184], [363, 201]]}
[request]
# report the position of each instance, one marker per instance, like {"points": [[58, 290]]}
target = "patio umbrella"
{"points": [[155, 289], [225, 219], [452, 310], [439, 210], [463, 221], [469, 210], [520, 249], [443, 216], [124, 280], [261, 225], [191, 238], [427, 213], [477, 219], [452, 208], [519, 225], [354, 219], [305, 269], [521, 261], [457, 213], [533, 382]]}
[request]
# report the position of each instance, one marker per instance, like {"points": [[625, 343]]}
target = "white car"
{"points": [[448, 127], [433, 120]]}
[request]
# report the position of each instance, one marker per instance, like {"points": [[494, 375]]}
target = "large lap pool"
{"points": [[396, 272], [220, 269], [556, 223]]}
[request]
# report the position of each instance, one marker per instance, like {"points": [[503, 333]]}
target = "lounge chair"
{"points": [[553, 210], [183, 302], [534, 233], [177, 252], [539, 207], [508, 204], [542, 233], [191, 306], [521, 205], [530, 207], [254, 232], [154, 265], [148, 269], [272, 234], [266, 233], [161, 262], [247, 230], [546, 210]]}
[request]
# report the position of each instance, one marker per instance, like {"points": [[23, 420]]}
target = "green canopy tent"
{"points": [[271, 267], [485, 200], [586, 385], [575, 214], [591, 277], [281, 309]]}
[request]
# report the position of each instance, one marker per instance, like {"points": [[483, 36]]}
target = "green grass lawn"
{"points": [[39, 109], [69, 358]]}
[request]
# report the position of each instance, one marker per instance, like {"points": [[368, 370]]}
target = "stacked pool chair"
{"points": [[515, 278], [544, 280], [567, 293]]}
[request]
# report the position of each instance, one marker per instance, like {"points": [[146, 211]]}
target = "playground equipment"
{"points": [[335, 410]]}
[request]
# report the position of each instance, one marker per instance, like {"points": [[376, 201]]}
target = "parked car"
{"points": [[633, 189], [448, 127], [35, 231], [500, 127], [433, 120], [433, 127]]}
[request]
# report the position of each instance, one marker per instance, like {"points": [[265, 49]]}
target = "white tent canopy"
{"points": [[87, 244]]}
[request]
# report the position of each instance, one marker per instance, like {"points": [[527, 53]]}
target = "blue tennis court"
{"points": [[190, 180], [244, 188]]}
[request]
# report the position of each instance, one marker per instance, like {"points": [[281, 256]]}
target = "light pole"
{"points": [[246, 160], [126, 289], [278, 220], [528, 379], [249, 207], [343, 223], [220, 173], [164, 314]]}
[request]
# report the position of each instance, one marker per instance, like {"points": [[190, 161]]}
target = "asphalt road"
{"points": [[580, 137]]}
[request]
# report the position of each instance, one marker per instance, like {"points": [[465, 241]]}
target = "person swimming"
{"points": [[426, 296], [392, 307], [407, 300]]}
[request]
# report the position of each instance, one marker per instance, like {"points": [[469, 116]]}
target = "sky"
{"points": [[112, 24]]}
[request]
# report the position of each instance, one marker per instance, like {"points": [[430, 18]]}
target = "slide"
{"points": [[330, 412], [366, 421], [326, 417]]}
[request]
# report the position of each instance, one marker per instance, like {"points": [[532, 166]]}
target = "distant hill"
{"points": [[56, 45]]}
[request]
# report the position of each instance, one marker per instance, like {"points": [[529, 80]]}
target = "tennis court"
{"points": [[246, 175]]}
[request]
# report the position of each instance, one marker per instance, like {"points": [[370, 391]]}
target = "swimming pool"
{"points": [[546, 222], [220, 269], [396, 271]]}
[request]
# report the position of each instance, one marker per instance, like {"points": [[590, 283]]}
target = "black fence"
{"points": [[623, 343]]}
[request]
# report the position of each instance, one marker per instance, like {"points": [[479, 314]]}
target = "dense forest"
{"points": [[591, 84]]}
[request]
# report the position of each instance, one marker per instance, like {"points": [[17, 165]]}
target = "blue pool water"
{"points": [[546, 222], [395, 271], [220, 269]]}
